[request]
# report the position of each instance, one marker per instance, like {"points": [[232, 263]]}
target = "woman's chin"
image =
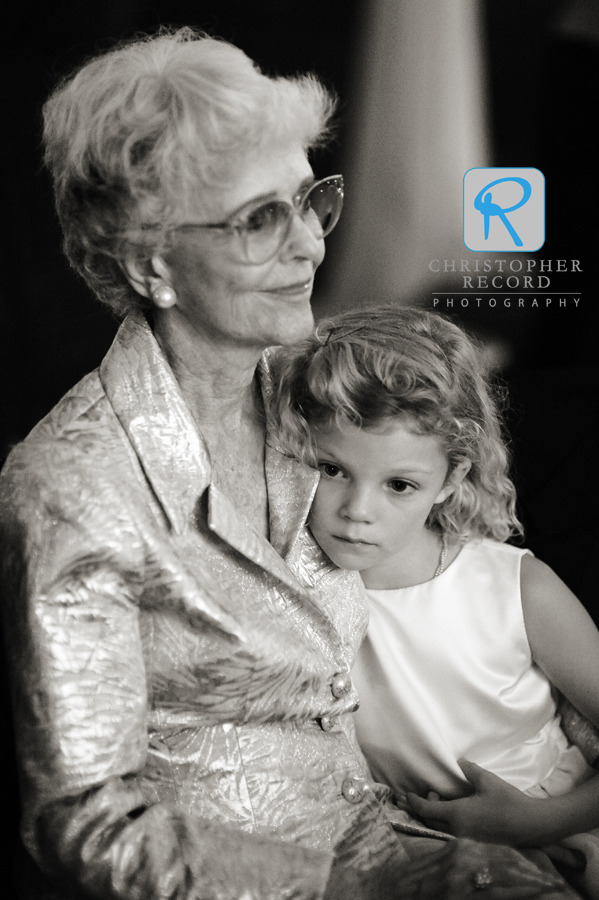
{"points": [[292, 322]]}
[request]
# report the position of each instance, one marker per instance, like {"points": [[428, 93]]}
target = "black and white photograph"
{"points": [[299, 425]]}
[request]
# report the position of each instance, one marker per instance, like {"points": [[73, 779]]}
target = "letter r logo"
{"points": [[504, 209]]}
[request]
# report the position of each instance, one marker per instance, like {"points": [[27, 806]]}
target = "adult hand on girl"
{"points": [[495, 812], [464, 868], [458, 870]]}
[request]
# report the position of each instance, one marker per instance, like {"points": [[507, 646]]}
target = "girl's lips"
{"points": [[354, 541]]}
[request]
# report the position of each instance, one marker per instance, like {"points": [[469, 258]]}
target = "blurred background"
{"points": [[426, 90]]}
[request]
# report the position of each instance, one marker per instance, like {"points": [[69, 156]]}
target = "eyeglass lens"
{"points": [[325, 200], [267, 227]]}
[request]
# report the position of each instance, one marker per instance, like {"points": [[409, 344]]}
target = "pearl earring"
{"points": [[164, 296]]}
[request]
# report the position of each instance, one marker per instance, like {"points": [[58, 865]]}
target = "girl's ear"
{"points": [[454, 481], [145, 276]]}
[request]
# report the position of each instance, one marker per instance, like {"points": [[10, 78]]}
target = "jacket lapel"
{"points": [[291, 489], [233, 527], [147, 400]]}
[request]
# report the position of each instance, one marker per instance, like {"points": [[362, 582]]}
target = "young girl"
{"points": [[467, 634]]}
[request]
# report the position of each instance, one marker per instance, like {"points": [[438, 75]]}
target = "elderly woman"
{"points": [[180, 648]]}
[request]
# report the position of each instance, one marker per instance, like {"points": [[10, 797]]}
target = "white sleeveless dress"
{"points": [[446, 671]]}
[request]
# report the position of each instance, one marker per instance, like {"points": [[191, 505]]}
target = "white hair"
{"points": [[137, 131]]}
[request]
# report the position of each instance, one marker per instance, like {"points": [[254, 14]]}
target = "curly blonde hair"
{"points": [[138, 134], [367, 367]]}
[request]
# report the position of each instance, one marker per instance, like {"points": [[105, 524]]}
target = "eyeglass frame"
{"points": [[240, 228]]}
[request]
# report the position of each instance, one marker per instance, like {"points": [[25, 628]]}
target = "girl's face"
{"points": [[376, 489]]}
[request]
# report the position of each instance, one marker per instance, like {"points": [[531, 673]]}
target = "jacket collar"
{"points": [[148, 402]]}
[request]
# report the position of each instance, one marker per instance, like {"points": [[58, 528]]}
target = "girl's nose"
{"points": [[358, 506]]}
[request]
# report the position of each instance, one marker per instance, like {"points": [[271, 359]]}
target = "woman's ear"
{"points": [[454, 481], [149, 277]]}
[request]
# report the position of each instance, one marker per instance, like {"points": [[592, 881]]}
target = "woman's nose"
{"points": [[304, 241]]}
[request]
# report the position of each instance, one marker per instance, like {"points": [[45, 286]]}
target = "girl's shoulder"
{"points": [[484, 563], [488, 546], [489, 557]]}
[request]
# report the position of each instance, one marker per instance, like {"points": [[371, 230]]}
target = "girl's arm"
{"points": [[565, 645], [562, 636]]}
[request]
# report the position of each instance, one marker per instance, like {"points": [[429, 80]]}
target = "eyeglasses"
{"points": [[261, 232]]}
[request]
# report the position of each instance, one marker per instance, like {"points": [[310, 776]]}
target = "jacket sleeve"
{"points": [[71, 580]]}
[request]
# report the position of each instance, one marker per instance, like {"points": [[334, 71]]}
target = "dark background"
{"points": [[543, 90]]}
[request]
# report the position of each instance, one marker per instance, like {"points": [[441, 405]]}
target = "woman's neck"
{"points": [[216, 379]]}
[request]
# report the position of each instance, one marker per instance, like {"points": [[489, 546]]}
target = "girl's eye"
{"points": [[329, 470], [399, 486]]}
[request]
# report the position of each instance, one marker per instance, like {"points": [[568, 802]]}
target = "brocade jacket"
{"points": [[181, 685]]}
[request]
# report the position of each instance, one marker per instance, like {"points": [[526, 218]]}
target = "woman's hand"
{"points": [[495, 812], [466, 868], [458, 870]]}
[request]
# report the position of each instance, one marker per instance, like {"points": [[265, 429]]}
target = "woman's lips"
{"points": [[299, 287]]}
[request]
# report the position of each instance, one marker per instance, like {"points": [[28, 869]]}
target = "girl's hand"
{"points": [[495, 812]]}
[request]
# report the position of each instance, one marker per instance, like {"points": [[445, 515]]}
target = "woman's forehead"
{"points": [[271, 172]]}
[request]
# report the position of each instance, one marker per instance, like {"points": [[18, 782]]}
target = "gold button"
{"points": [[340, 685], [353, 789], [327, 723]]}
